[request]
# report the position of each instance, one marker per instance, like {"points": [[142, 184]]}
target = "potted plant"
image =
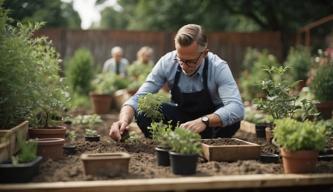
{"points": [[137, 74], [70, 147], [104, 85], [88, 122], [185, 150], [299, 144], [24, 166], [322, 86], [161, 133]]}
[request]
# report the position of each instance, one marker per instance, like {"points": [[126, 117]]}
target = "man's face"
{"points": [[117, 56], [189, 58]]}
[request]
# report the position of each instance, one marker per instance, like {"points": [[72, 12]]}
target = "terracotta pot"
{"points": [[50, 132], [299, 161], [325, 108], [51, 148], [19, 132], [106, 164], [101, 103]]}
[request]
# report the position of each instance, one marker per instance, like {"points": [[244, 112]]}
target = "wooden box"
{"points": [[243, 151]]}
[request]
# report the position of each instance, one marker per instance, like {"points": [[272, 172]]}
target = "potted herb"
{"points": [[104, 85], [161, 133], [299, 144], [70, 147], [150, 105], [322, 86], [185, 150], [24, 166], [88, 122]]}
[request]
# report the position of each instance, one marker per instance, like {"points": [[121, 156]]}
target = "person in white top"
{"points": [[117, 63]]}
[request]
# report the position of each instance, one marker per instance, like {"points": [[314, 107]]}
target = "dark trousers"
{"points": [[172, 112]]}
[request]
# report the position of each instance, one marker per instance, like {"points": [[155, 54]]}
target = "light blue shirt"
{"points": [[221, 85], [110, 65]]}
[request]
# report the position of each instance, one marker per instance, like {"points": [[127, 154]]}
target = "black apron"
{"points": [[198, 104]]}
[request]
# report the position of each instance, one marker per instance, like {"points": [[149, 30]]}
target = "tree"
{"points": [[55, 13]]}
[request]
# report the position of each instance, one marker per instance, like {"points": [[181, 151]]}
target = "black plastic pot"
{"points": [[182, 164], [326, 155], [69, 149], [269, 158], [92, 138], [260, 130], [23, 172], [162, 155]]}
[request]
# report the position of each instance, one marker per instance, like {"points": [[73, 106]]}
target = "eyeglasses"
{"points": [[190, 62]]}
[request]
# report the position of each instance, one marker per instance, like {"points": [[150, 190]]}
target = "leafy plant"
{"points": [[79, 71], [133, 138], [253, 74], [294, 135], [71, 136], [90, 132], [88, 121], [299, 61], [108, 83], [257, 117], [150, 105], [322, 84], [27, 153], [160, 133], [185, 141]]}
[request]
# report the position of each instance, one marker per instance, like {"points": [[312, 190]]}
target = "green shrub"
{"points": [[322, 84], [295, 136], [79, 71], [299, 62], [251, 78], [108, 83], [160, 133], [185, 141], [150, 105]]}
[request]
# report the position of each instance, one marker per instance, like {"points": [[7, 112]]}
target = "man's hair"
{"points": [[116, 49], [190, 33]]}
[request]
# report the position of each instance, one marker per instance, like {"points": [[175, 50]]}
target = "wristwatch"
{"points": [[205, 120]]}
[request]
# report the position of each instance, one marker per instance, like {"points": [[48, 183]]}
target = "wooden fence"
{"points": [[229, 46]]}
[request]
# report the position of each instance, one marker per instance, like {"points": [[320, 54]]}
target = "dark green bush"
{"points": [[79, 71], [299, 61], [322, 84]]}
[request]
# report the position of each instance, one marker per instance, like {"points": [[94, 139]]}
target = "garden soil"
{"points": [[143, 160]]}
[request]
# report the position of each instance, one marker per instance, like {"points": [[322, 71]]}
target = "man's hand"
{"points": [[196, 125], [117, 129]]}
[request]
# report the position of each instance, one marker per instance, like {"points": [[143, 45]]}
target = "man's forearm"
{"points": [[126, 114], [214, 120]]}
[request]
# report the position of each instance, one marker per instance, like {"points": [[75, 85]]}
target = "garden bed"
{"points": [[143, 167]]}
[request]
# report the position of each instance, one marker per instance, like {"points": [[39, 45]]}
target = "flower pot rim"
{"points": [[182, 154]]}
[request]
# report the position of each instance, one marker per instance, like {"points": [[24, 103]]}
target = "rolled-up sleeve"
{"points": [[233, 109]]}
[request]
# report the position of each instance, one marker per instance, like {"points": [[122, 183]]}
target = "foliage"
{"points": [[322, 84], [185, 141], [87, 120], [79, 71], [55, 13], [150, 105], [108, 83], [299, 61], [30, 84], [137, 73], [133, 138], [71, 136], [257, 117], [90, 132], [294, 135], [27, 153], [328, 124], [160, 133], [253, 74]]}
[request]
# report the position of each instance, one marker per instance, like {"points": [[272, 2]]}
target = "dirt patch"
{"points": [[224, 141], [143, 161]]}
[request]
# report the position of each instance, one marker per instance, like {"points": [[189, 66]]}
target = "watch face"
{"points": [[205, 118]]}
